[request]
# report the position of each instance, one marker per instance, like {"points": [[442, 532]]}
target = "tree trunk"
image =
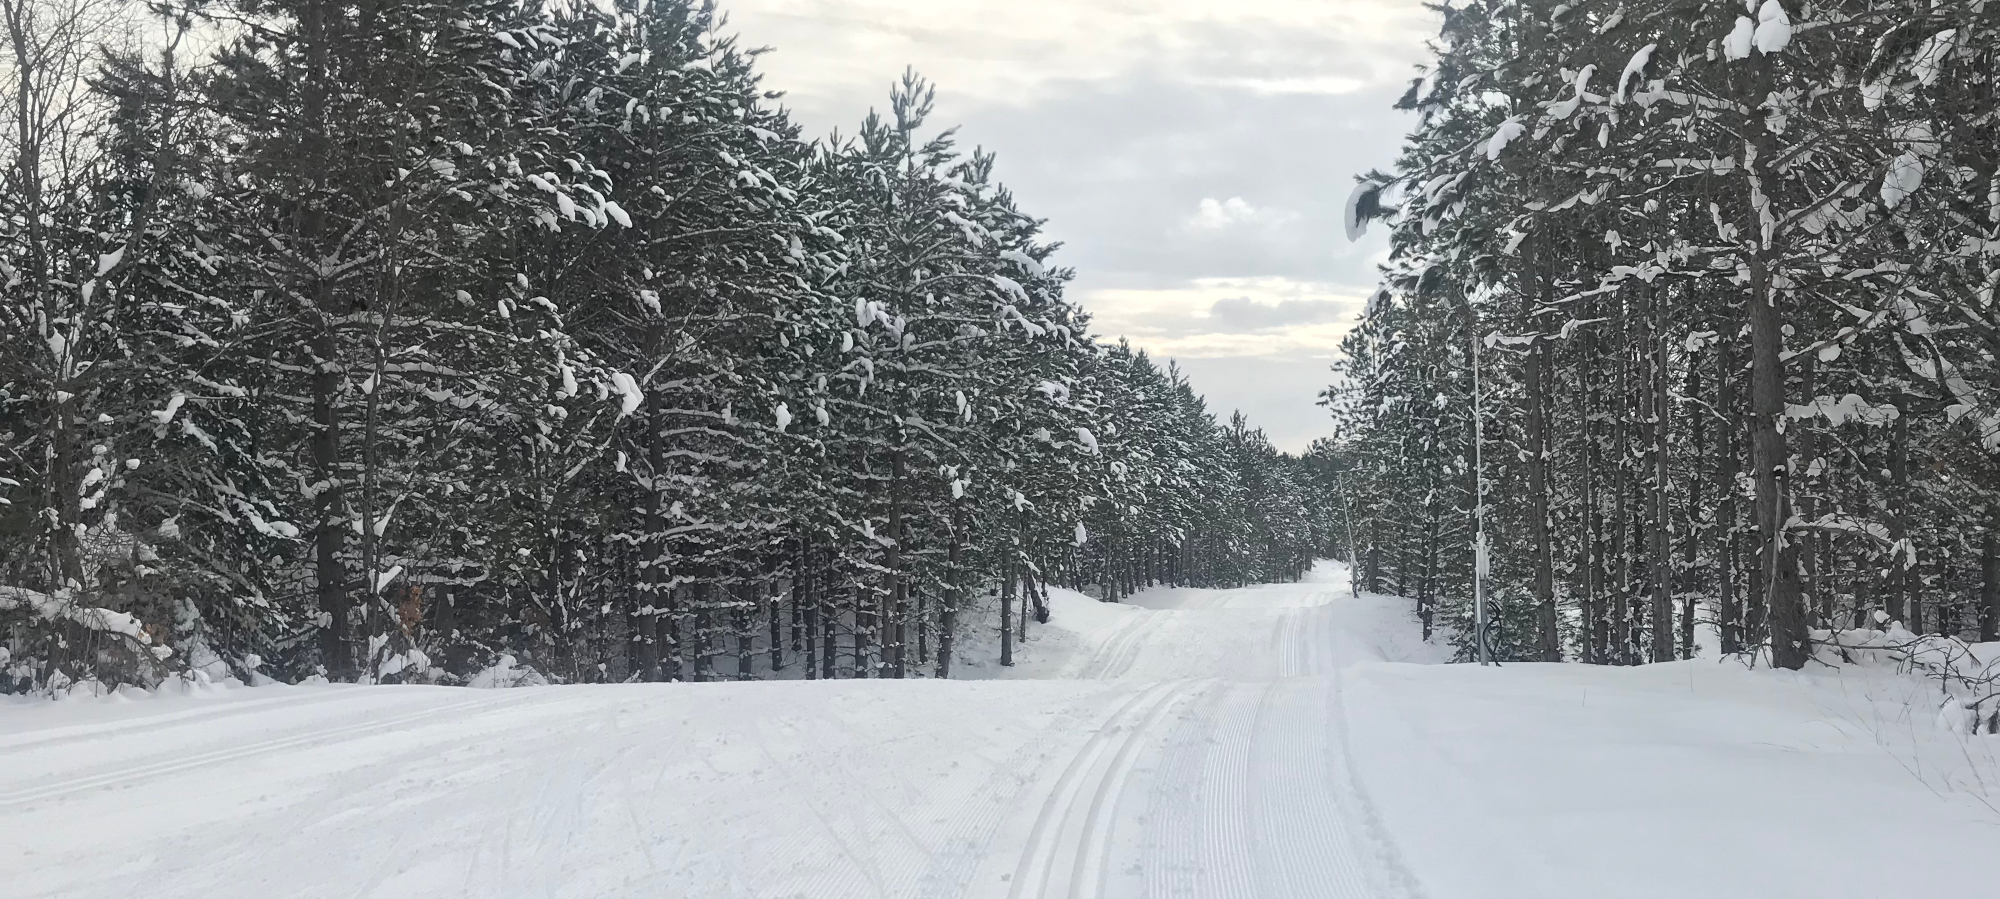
{"points": [[1989, 580], [1903, 597], [1374, 580], [1538, 505], [1592, 552], [644, 649], [769, 587], [329, 538], [894, 632], [1812, 598], [829, 622], [1026, 573], [1778, 557], [1007, 612], [1618, 634], [1691, 546], [954, 587], [746, 631], [704, 629], [807, 600], [1728, 609], [864, 650], [1662, 624]]}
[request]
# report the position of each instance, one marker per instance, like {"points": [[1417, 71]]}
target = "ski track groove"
{"points": [[1118, 654], [1257, 801], [138, 774], [1106, 656], [1235, 853], [1253, 796], [220, 709], [1092, 865], [1169, 856], [1119, 734], [1039, 841]]}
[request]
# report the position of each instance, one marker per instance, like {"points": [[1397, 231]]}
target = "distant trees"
{"points": [[389, 338], [1730, 275]]}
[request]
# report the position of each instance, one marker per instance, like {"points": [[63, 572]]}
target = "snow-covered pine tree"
{"points": [[1714, 383]]}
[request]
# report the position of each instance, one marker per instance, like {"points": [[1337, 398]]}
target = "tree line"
{"points": [[381, 339], [1704, 294]]}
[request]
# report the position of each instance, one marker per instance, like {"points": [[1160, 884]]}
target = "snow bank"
{"points": [[1078, 627], [1676, 779]]}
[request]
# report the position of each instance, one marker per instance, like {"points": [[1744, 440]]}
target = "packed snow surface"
{"points": [[1275, 741]]}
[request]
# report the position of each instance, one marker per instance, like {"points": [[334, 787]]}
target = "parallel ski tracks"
{"points": [[1066, 853], [136, 774], [1252, 794], [203, 714], [1118, 654]]}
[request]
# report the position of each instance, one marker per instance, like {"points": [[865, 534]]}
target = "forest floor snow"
{"points": [[1274, 741]]}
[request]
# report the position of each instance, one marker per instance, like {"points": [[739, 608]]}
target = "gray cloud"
{"points": [[1115, 123], [1119, 168]]}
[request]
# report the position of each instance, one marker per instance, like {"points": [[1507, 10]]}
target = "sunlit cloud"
{"points": [[1217, 317], [1327, 84]]}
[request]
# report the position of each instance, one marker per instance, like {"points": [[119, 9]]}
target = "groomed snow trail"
{"points": [[1234, 784], [1192, 747], [1210, 744]]}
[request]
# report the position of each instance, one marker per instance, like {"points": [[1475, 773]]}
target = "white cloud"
{"points": [[1230, 317], [1214, 216]]}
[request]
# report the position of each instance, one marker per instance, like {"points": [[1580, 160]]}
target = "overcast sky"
{"points": [[1193, 156]]}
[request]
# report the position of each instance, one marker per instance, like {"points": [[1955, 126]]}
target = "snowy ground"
{"points": [[1267, 742]]}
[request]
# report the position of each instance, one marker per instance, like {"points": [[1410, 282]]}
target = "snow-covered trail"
{"points": [[1218, 744], [1193, 748], [1225, 774]]}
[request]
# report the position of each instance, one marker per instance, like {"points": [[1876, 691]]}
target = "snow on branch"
{"points": [[96, 620]]}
